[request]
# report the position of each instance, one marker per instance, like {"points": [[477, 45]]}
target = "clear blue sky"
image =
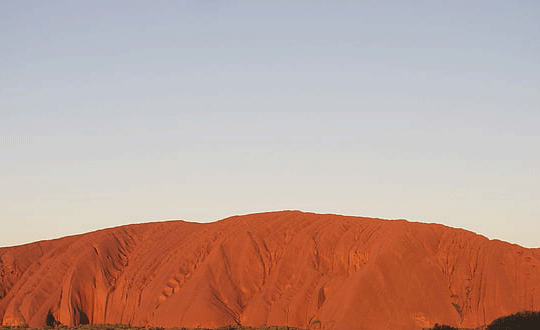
{"points": [[133, 111]]}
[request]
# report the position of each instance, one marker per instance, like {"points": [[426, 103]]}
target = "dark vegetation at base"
{"points": [[518, 321], [447, 327], [59, 326]]}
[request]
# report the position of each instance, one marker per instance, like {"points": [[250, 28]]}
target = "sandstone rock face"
{"points": [[281, 268]]}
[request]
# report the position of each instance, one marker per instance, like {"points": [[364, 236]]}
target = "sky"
{"points": [[119, 112]]}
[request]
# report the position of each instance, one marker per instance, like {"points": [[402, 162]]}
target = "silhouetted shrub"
{"points": [[443, 327], [518, 321]]}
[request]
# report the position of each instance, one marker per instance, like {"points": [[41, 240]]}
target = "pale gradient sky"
{"points": [[136, 111]]}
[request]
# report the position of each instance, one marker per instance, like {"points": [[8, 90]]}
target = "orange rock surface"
{"points": [[282, 268]]}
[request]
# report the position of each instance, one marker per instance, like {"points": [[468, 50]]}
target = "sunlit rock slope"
{"points": [[282, 268]]}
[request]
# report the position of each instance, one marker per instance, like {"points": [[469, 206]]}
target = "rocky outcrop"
{"points": [[281, 268]]}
